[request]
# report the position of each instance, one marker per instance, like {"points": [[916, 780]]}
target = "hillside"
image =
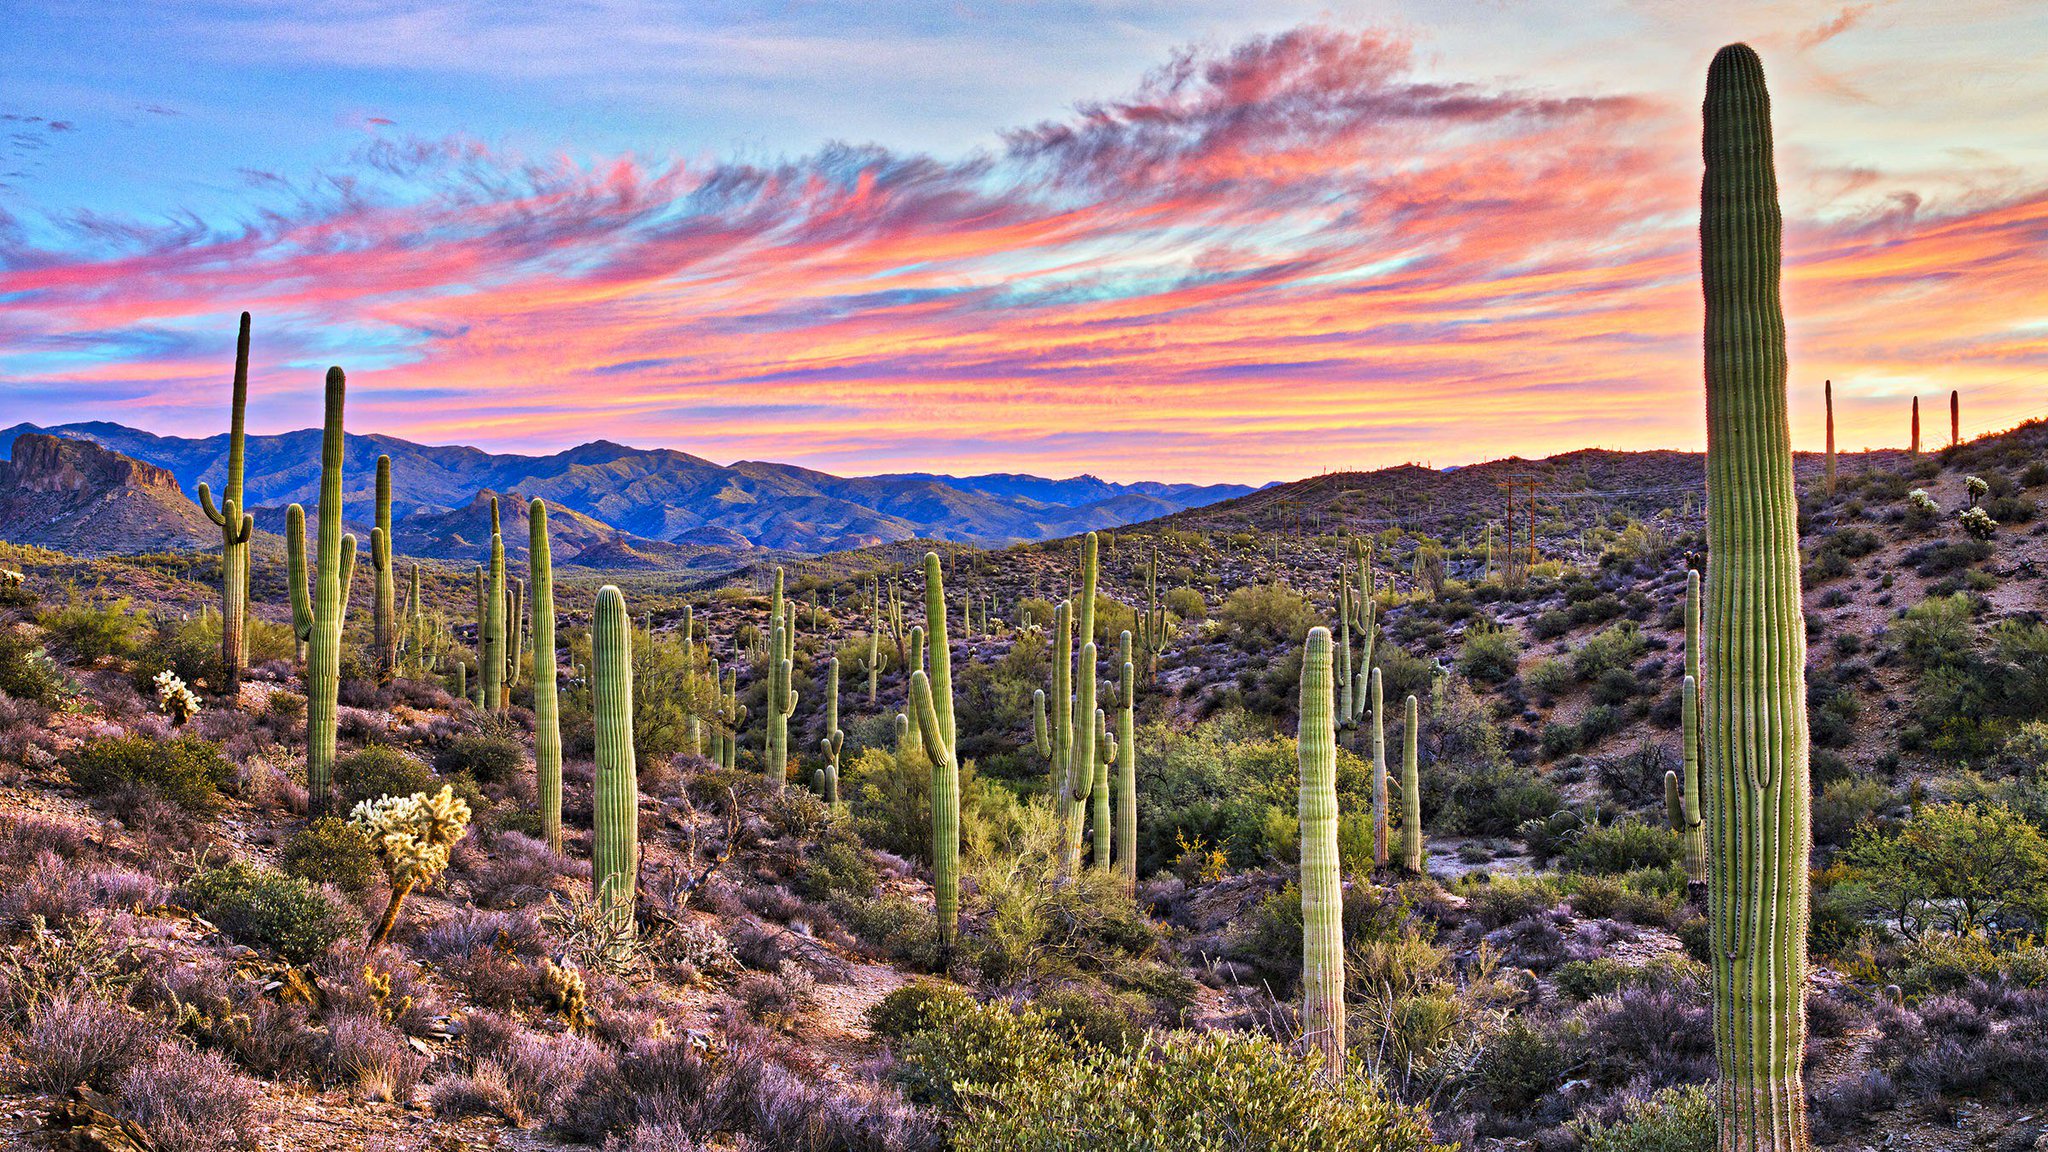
{"points": [[78, 497]]}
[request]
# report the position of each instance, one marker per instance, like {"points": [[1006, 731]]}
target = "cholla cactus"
{"points": [[1979, 524], [9, 578], [176, 700], [412, 836], [1977, 487], [1919, 498]]}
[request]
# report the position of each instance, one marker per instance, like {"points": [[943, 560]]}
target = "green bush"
{"points": [[1262, 615], [27, 672], [839, 867], [487, 758], [88, 632], [380, 771], [1622, 847], [186, 771], [1940, 962], [1519, 1066], [333, 850], [1674, 1120], [1490, 654], [1206, 1092], [263, 906], [1187, 604], [916, 1007]]}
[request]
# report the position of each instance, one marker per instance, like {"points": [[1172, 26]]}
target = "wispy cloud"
{"points": [[1290, 253]]}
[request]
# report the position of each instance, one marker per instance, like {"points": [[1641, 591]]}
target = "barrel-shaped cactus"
{"points": [[384, 601], [1754, 721], [931, 695], [1411, 791], [615, 839], [547, 728], [317, 617], [491, 650], [236, 525], [1322, 883]]}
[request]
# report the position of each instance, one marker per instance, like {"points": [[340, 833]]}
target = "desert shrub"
{"points": [[1958, 865], [1935, 632], [1507, 899], [1674, 1120], [1622, 847], [1262, 615], [1940, 962], [486, 757], [896, 926], [87, 632], [916, 1006], [334, 851], [1186, 604], [890, 798], [263, 906], [1490, 654], [1198, 1093], [187, 771], [190, 1101], [81, 1039], [1611, 649], [378, 771], [27, 672], [839, 867], [372, 1056], [1519, 1067], [1846, 805]]}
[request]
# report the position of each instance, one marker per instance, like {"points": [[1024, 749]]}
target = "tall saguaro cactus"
{"points": [[1916, 425], [317, 618], [781, 696], [1322, 885], [384, 607], [236, 525], [693, 724], [547, 726], [1685, 790], [1828, 396], [1379, 772], [1955, 418], [491, 649], [615, 839], [1411, 791], [1126, 845], [1755, 714], [1081, 753], [931, 696], [834, 740]]}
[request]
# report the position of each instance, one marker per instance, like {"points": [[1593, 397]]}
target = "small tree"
{"points": [[412, 836], [1956, 865]]}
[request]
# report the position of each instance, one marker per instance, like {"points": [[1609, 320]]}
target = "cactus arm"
{"points": [[1041, 742], [295, 572], [218, 515], [348, 571], [1322, 887]]}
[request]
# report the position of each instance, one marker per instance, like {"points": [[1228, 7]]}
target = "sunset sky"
{"points": [[1197, 240]]}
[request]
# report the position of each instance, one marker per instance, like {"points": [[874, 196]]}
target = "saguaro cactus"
{"points": [[1081, 753], [1828, 396], [317, 618], [1755, 714], [1687, 823], [1379, 772], [547, 728], [1916, 425], [781, 696], [834, 740], [384, 605], [931, 695], [615, 841], [1411, 792], [1955, 418], [693, 724], [1322, 885], [235, 528], [491, 651], [1126, 844]]}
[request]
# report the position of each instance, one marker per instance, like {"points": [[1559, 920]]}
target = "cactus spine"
{"points": [[615, 841], [547, 728], [931, 694], [1379, 773], [781, 697], [384, 605], [1411, 792], [491, 649], [1692, 831], [835, 740], [1828, 396], [1755, 714], [317, 618], [236, 526], [1322, 886], [1127, 771]]}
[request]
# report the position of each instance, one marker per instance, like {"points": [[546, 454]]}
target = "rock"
{"points": [[84, 1121]]}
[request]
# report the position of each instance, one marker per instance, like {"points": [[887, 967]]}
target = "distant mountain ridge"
{"points": [[652, 500]]}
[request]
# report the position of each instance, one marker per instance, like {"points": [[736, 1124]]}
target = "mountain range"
{"points": [[629, 506]]}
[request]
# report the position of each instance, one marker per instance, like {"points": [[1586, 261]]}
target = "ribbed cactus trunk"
{"points": [[1127, 770], [515, 633], [1692, 831], [781, 696], [1828, 395], [875, 648], [236, 525], [1081, 755], [1955, 418], [1411, 790], [1755, 660], [693, 724], [931, 696], [318, 620], [1916, 425], [1343, 665], [615, 840], [547, 725], [1379, 772], [1368, 623], [834, 740], [384, 601], [1062, 707], [491, 652], [1322, 882]]}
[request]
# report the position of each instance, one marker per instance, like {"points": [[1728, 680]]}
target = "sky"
{"points": [[1187, 241]]}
